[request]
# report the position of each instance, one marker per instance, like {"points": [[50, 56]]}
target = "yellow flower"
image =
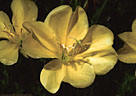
{"points": [[80, 52], [127, 54], [13, 37]]}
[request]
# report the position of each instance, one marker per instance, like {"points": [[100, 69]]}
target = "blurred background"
{"points": [[23, 77]]}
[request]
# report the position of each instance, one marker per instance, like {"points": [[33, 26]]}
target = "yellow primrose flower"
{"points": [[80, 52], [127, 54], [14, 36]]}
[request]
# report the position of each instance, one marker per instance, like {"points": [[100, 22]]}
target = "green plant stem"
{"points": [[96, 16]]}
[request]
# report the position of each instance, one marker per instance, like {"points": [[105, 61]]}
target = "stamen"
{"points": [[9, 34], [63, 46], [8, 31], [79, 47]]}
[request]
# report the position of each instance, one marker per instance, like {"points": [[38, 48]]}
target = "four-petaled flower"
{"points": [[80, 52]]}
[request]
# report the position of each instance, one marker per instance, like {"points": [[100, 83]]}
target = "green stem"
{"points": [[98, 13], [85, 4]]}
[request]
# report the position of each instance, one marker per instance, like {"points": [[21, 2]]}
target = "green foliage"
{"points": [[128, 86], [85, 4], [97, 14], [4, 81]]}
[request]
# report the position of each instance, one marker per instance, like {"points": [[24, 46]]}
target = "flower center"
{"points": [[65, 56], [13, 36], [69, 54]]}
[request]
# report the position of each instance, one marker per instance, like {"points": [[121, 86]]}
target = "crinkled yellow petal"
{"points": [[100, 54], [4, 35], [8, 53], [88, 37], [52, 75], [78, 26], [23, 10], [127, 54], [34, 49], [102, 37], [44, 34], [58, 20], [129, 38], [134, 26], [98, 38], [102, 61], [5, 25], [79, 74]]}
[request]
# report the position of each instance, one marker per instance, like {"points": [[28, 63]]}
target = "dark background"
{"points": [[23, 77]]}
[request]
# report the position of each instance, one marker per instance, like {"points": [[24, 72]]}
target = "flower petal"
{"points": [[58, 20], [23, 10], [129, 38], [79, 74], [127, 54], [100, 53], [134, 26], [3, 35], [8, 53], [103, 61], [78, 26], [44, 34], [98, 38], [88, 38], [102, 37], [5, 25], [34, 49], [52, 75]]}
